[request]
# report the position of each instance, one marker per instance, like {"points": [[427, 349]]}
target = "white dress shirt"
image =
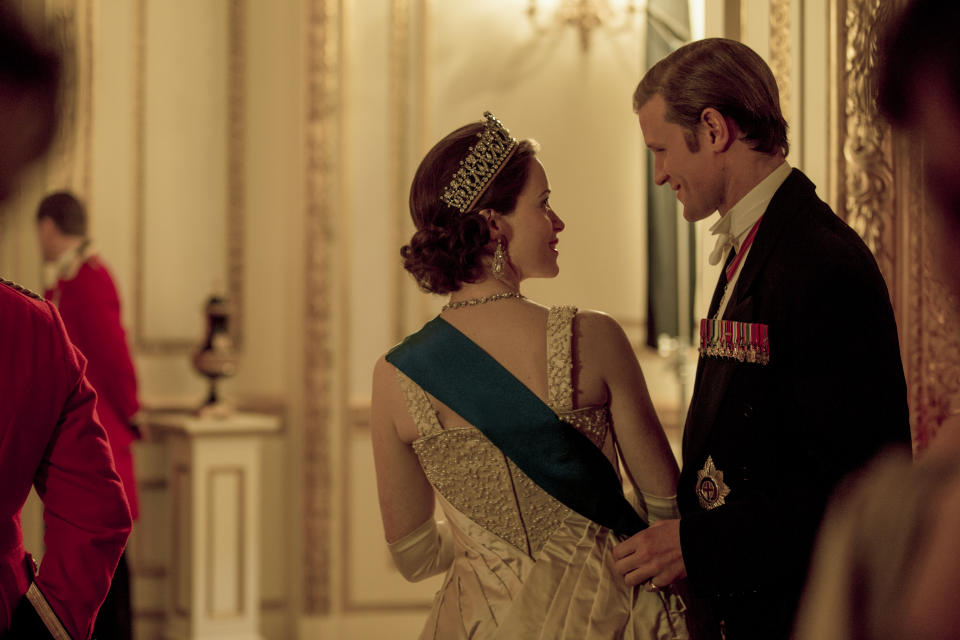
{"points": [[733, 228]]}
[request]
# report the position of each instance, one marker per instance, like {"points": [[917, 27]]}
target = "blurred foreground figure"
{"points": [[49, 435], [81, 286], [886, 563]]}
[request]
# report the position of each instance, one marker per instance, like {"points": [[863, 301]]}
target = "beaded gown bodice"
{"points": [[478, 480], [524, 565]]}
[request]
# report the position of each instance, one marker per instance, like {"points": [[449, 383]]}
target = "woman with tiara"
{"points": [[514, 416]]}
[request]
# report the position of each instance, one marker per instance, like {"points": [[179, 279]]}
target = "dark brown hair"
{"points": [[726, 75], [65, 211], [448, 247], [30, 67], [920, 39]]}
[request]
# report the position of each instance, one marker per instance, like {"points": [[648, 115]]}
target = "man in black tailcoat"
{"points": [[800, 379]]}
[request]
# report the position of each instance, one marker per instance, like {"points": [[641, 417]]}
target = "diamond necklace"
{"points": [[483, 300]]}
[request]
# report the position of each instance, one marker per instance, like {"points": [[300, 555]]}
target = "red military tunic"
{"points": [[87, 300], [50, 438]]}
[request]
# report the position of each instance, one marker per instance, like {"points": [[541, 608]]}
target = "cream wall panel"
{"points": [[272, 365], [112, 209], [368, 169], [713, 19], [272, 179], [185, 172], [577, 104], [812, 70], [698, 17], [755, 26]]}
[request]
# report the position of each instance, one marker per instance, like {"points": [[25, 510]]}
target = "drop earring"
{"points": [[499, 260]]}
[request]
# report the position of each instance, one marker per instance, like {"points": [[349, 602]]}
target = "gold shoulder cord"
{"points": [[23, 290]]}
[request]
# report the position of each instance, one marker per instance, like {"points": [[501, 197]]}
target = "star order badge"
{"points": [[711, 490]]}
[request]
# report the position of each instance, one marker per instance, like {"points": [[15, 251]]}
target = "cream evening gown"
{"points": [[525, 566]]}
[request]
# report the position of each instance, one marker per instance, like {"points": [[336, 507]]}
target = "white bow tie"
{"points": [[724, 241]]}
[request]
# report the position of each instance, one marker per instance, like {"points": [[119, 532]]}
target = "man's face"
{"points": [[48, 234], [694, 175]]}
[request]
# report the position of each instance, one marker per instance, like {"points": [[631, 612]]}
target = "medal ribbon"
{"points": [[732, 267], [743, 341]]}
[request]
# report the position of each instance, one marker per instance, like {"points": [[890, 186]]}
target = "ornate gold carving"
{"points": [[910, 212], [321, 127], [939, 379], [780, 51], [235, 213], [877, 186], [867, 199]]}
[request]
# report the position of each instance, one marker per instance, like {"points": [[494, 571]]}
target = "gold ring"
{"points": [[653, 586]]}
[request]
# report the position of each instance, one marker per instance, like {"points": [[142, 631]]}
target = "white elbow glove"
{"points": [[424, 552], [660, 507]]}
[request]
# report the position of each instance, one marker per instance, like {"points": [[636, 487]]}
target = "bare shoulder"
{"points": [[384, 376], [382, 366], [385, 393], [599, 330]]}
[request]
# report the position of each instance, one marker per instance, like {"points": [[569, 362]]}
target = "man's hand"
{"points": [[652, 555]]}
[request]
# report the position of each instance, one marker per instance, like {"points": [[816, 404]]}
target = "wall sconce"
{"points": [[585, 16]]}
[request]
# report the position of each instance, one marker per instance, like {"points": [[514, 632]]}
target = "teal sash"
{"points": [[554, 454]]}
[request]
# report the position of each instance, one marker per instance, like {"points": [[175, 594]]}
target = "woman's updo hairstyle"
{"points": [[448, 247]]}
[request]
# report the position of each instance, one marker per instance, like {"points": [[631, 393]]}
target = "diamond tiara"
{"points": [[483, 162]]}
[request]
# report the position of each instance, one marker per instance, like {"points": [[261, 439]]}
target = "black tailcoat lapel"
{"points": [[708, 393], [785, 433]]}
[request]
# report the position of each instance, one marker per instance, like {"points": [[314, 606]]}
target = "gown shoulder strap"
{"points": [[560, 357], [418, 404]]}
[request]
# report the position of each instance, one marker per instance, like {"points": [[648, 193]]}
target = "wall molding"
{"points": [[322, 82], [780, 55], [235, 213]]}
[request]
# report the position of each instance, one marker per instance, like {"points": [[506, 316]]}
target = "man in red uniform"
{"points": [[50, 437], [81, 286]]}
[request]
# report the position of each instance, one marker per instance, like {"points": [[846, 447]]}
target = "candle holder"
{"points": [[216, 358]]}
